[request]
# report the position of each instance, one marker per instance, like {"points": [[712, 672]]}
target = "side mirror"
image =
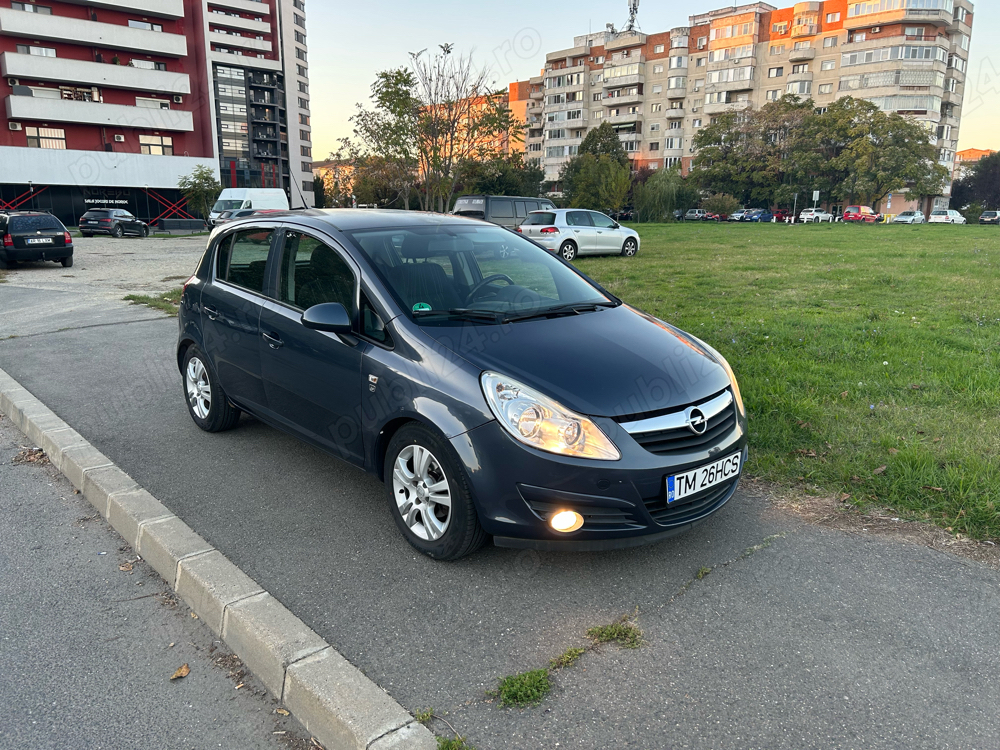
{"points": [[617, 226], [331, 317]]}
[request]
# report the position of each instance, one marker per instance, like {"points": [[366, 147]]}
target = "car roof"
{"points": [[351, 219]]}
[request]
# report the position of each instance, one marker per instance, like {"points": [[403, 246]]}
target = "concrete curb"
{"points": [[332, 698]]}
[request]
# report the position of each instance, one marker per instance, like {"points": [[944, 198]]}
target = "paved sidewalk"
{"points": [[87, 649]]}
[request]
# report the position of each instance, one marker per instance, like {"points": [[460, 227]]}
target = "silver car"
{"points": [[575, 231], [910, 217]]}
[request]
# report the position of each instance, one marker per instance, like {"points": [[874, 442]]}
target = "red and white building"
{"points": [[111, 103]]}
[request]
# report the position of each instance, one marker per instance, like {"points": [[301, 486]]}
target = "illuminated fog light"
{"points": [[566, 521]]}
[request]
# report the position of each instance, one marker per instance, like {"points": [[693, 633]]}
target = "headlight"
{"points": [[732, 376], [540, 422]]}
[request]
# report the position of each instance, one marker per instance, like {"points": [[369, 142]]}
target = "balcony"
{"points": [[747, 84], [63, 70], [677, 93], [237, 22], [796, 77], [154, 8], [623, 119], [248, 6], [96, 113], [622, 101], [242, 42], [720, 107], [537, 95], [620, 81], [938, 17], [805, 29], [38, 27], [246, 61], [675, 114], [802, 55]]}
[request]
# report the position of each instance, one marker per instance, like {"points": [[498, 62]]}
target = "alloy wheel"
{"points": [[630, 248], [199, 388], [422, 492]]}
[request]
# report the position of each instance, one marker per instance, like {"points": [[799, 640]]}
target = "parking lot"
{"points": [[760, 631]]}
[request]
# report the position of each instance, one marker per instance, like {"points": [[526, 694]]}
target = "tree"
{"points": [[200, 189], [980, 185], [720, 204], [662, 194], [319, 192], [600, 183], [507, 175], [604, 141]]}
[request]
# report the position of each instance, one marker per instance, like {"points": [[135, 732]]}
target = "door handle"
{"points": [[273, 340], [211, 312]]}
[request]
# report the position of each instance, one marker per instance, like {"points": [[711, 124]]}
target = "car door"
{"points": [[231, 305], [582, 229], [313, 379], [608, 234], [129, 223]]}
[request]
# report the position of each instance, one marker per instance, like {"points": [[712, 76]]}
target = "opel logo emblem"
{"points": [[697, 422]]}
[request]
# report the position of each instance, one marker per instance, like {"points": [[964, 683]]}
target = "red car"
{"points": [[716, 217], [863, 214]]}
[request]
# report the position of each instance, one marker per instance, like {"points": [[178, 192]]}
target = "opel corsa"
{"points": [[493, 388]]}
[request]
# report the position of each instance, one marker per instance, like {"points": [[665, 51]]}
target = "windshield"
{"points": [[227, 205], [469, 269]]}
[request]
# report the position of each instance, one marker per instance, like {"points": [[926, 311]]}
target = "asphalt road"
{"points": [[820, 639], [87, 649]]}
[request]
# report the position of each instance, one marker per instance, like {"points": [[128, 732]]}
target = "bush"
{"points": [[721, 204]]}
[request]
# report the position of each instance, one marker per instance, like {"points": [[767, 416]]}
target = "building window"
{"points": [[300, 38], [144, 25], [32, 8], [657, 89], [799, 87], [306, 151], [148, 103], [307, 186], [303, 103], [802, 45], [654, 146], [674, 125], [304, 135], [826, 88], [657, 68], [830, 41], [696, 123], [779, 28], [46, 138], [598, 96], [775, 72], [655, 107], [24, 49], [307, 166], [672, 161], [158, 145], [147, 65], [773, 95], [597, 114], [303, 87], [778, 49], [832, 17], [828, 65], [303, 119], [802, 68], [301, 54], [657, 49], [654, 127], [300, 5], [303, 71], [299, 20]]}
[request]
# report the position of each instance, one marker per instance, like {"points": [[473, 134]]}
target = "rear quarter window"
{"points": [[35, 224]]}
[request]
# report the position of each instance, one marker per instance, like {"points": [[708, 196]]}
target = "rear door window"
{"points": [[26, 224], [501, 209], [243, 258], [578, 219]]}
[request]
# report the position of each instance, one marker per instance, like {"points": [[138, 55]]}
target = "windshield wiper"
{"points": [[574, 308], [460, 312]]}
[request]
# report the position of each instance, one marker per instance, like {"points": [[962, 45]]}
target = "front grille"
{"points": [[682, 440], [688, 509]]}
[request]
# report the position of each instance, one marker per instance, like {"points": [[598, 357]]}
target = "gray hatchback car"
{"points": [[574, 231]]}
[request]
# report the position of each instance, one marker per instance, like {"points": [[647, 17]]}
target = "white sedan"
{"points": [[947, 217], [910, 217]]}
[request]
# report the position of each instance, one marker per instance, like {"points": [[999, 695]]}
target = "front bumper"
{"points": [[623, 502]]}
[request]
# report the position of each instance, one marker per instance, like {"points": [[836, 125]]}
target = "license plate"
{"points": [[702, 478], [40, 241]]}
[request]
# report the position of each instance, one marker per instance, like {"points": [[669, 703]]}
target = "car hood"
{"points": [[610, 363]]}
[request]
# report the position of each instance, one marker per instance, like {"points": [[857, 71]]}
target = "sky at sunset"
{"points": [[512, 37]]}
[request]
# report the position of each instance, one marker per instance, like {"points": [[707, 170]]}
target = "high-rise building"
{"points": [[659, 90], [109, 103]]}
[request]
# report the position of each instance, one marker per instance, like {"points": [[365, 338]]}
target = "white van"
{"points": [[235, 199]]}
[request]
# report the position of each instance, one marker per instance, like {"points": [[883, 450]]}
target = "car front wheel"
{"points": [[630, 248], [67, 262], [206, 401], [144, 232], [567, 250], [429, 495]]}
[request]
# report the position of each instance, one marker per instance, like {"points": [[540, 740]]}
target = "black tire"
{"points": [[117, 232], [567, 251], [86, 234], [463, 534], [67, 262], [6, 264], [222, 415], [630, 248], [144, 233]]}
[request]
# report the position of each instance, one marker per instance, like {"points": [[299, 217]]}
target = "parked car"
{"points": [[815, 216], [626, 214], [503, 210], [861, 214], [33, 236], [910, 217], [990, 217], [947, 217], [111, 221], [235, 199], [572, 232], [481, 378], [762, 216], [679, 215], [715, 217], [738, 214], [695, 214]]}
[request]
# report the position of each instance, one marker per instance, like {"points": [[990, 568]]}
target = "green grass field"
{"points": [[867, 355]]}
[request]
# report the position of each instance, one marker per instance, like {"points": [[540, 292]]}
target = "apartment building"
{"points": [[109, 103], [658, 90]]}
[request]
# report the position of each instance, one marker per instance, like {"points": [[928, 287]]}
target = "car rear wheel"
{"points": [[206, 401], [567, 250], [429, 495], [67, 262], [630, 248], [117, 232]]}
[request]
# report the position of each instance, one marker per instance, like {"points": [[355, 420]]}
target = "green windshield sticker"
{"points": [[421, 307]]}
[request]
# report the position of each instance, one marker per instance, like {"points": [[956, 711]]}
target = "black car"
{"points": [[990, 217], [504, 210], [113, 221], [495, 389], [33, 236]]}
